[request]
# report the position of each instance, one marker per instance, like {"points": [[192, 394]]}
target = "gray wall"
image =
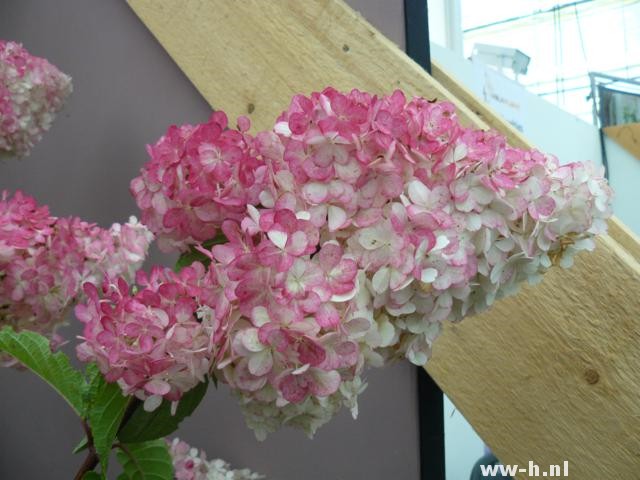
{"points": [[127, 91]]}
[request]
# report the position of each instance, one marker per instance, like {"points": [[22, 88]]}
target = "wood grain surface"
{"points": [[549, 375], [627, 136], [249, 57]]}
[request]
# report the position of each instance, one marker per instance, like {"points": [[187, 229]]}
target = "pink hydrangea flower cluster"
{"points": [[197, 177], [292, 332], [32, 91], [191, 464], [157, 341], [367, 223], [44, 261]]}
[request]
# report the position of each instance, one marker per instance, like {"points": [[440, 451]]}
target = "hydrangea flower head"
{"points": [[32, 91], [44, 261], [368, 222], [198, 176], [156, 342]]}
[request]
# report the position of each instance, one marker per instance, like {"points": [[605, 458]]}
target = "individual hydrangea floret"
{"points": [[191, 464], [32, 91], [44, 261]]}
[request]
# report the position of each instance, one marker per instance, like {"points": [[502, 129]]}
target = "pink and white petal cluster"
{"points": [[44, 260], [442, 219], [265, 416], [369, 222], [156, 340], [287, 340], [198, 176], [32, 91], [189, 463]]}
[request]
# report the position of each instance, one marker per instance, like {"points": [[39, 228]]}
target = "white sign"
{"points": [[505, 96]]}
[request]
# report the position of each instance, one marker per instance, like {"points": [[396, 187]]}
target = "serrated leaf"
{"points": [[107, 407], [91, 372], [194, 255], [89, 389], [145, 461], [189, 257], [34, 352], [144, 426]]}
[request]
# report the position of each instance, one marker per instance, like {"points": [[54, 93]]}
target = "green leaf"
{"points": [[89, 389], [187, 258], [107, 407], [145, 461], [91, 476], [144, 426], [82, 445], [33, 351], [194, 255]]}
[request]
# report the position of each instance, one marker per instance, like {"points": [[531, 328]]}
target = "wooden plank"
{"points": [[627, 136], [258, 53], [552, 374], [625, 237]]}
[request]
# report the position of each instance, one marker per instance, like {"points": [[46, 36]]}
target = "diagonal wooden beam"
{"points": [[625, 237], [552, 374], [250, 57]]}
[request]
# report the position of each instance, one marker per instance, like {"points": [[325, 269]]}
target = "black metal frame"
{"points": [[416, 32], [430, 397]]}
